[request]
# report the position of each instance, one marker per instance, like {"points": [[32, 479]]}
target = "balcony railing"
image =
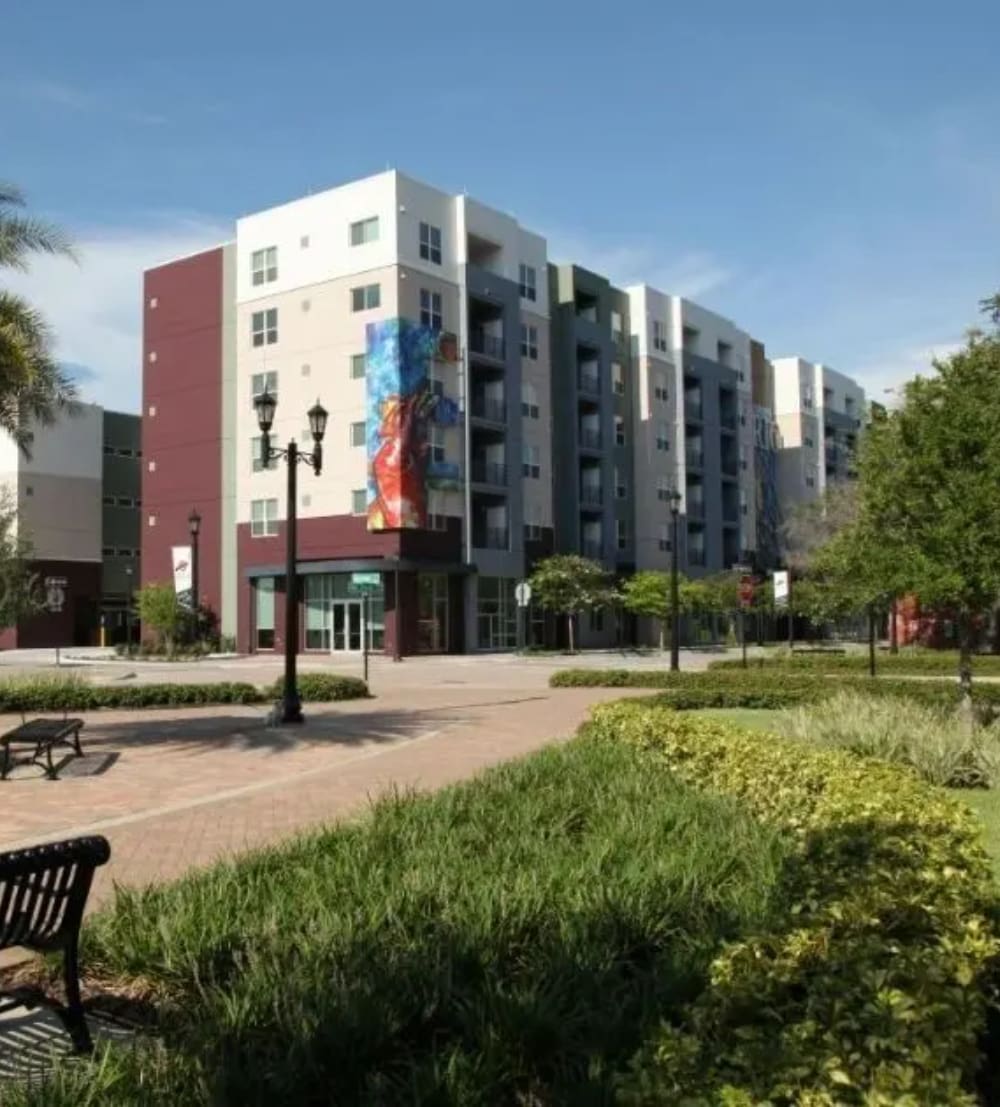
{"points": [[593, 550], [485, 408], [730, 467], [695, 507], [590, 439], [728, 420], [695, 458], [589, 382], [696, 556], [491, 538], [692, 409], [591, 496], [489, 472], [491, 345]]}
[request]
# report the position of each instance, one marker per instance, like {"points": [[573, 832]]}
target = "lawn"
{"points": [[510, 940]]}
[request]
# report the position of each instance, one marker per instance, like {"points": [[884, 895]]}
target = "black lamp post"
{"points": [[194, 526], [675, 630], [128, 609], [265, 403]]}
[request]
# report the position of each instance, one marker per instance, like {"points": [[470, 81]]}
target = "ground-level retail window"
{"points": [[432, 612], [264, 621], [496, 613], [335, 615]]}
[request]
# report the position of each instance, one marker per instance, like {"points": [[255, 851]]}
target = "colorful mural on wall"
{"points": [[401, 407]]}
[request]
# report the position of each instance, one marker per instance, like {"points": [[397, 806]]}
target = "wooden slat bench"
{"points": [[41, 736], [43, 891]]}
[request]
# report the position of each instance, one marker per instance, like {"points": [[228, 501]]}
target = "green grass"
{"points": [[510, 940]]}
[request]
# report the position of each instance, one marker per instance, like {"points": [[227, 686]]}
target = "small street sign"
{"points": [[366, 580], [522, 593]]}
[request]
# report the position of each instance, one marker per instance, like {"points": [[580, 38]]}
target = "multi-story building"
{"points": [[818, 415], [437, 471], [78, 505]]}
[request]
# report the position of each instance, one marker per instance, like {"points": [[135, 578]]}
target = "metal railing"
{"points": [[693, 409], [489, 472], [695, 458], [590, 439], [591, 496], [593, 550], [589, 382], [485, 408], [491, 538], [491, 345]]}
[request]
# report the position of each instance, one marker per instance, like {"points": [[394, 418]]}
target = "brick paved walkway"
{"points": [[188, 787]]}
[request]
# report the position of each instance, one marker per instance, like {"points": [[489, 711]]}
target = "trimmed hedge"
{"points": [[766, 688], [873, 985], [73, 694], [929, 662]]}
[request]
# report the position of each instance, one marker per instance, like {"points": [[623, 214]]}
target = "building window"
{"points": [[659, 388], [527, 282], [659, 335], [664, 541], [108, 501], [264, 327], [365, 230], [359, 365], [621, 489], [154, 302], [619, 431], [304, 242], [263, 518], [531, 466], [662, 437], [366, 297], [359, 501], [434, 383], [152, 357], [529, 400], [152, 411], [617, 379], [430, 309], [306, 370], [430, 243], [256, 462], [532, 532], [529, 342], [264, 265], [264, 382], [808, 440], [358, 434], [662, 489], [108, 551], [306, 305], [616, 325], [264, 620], [621, 534], [151, 466], [437, 444], [152, 520]]}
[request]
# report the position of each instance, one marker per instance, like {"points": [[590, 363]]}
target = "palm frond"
{"points": [[23, 235], [10, 195]]}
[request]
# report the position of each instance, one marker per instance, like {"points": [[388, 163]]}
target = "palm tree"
{"points": [[33, 388]]}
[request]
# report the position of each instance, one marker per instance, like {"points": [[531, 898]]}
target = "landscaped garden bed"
{"points": [[907, 661]]}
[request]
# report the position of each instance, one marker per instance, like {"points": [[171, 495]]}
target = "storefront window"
{"points": [[334, 613], [432, 612], [264, 621], [497, 613]]}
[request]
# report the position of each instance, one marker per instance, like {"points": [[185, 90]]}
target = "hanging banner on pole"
{"points": [[780, 579], [181, 559]]}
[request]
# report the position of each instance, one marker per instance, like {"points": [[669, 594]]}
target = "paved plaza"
{"points": [[177, 788]]}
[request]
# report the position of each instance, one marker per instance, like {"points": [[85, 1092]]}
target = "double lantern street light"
{"points": [[265, 404]]}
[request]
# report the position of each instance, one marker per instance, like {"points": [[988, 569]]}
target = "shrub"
{"points": [[71, 693], [767, 689], [873, 986], [935, 741], [930, 662], [322, 688]]}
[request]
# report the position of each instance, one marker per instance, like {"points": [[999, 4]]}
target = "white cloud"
{"points": [[95, 308]]}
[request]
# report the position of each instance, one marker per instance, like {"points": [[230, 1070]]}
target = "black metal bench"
{"points": [[41, 736], [43, 891]]}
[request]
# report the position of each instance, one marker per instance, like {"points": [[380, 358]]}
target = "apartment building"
{"points": [[420, 320], [818, 413], [78, 504]]}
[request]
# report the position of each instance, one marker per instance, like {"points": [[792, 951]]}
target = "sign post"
{"points": [[365, 583], [522, 593], [746, 601]]}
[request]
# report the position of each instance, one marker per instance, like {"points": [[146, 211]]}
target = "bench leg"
{"points": [[74, 1018], [5, 765], [76, 743]]}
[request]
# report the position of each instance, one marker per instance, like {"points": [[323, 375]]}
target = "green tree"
{"points": [[32, 386], [929, 475], [567, 584], [160, 611], [20, 590]]}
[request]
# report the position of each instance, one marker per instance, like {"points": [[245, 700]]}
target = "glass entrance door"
{"points": [[345, 626]]}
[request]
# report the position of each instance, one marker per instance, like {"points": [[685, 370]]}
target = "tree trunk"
{"points": [[663, 624], [871, 640], [893, 628], [965, 664], [569, 632]]}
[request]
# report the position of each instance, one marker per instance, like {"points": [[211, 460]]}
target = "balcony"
{"points": [[695, 459], [696, 556], [591, 496], [693, 409], [489, 472], [493, 411], [589, 382], [590, 439], [728, 420], [593, 550], [488, 345], [695, 507], [491, 538]]}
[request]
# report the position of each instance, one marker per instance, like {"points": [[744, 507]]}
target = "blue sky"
{"points": [[828, 179]]}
